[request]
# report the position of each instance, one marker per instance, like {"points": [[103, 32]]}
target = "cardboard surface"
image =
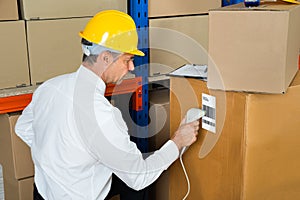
{"points": [[13, 55], [50, 9], [159, 129], [15, 155], [256, 154], [179, 7], [176, 41], [159, 112], [9, 10], [54, 47], [19, 189], [253, 50], [26, 189]]}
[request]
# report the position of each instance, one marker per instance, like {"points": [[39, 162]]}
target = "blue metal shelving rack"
{"points": [[138, 9]]}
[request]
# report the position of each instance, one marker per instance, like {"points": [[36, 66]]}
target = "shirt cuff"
{"points": [[169, 152]]}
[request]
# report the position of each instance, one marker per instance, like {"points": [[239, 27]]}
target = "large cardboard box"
{"points": [[15, 155], [19, 189], [9, 10], [159, 113], [176, 41], [49, 9], [254, 49], [15, 159], [13, 55], [256, 152], [159, 132], [178, 7], [54, 47]]}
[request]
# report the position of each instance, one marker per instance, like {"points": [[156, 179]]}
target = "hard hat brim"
{"points": [[134, 52], [137, 52]]}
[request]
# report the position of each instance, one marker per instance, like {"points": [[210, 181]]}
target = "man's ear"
{"points": [[105, 57]]}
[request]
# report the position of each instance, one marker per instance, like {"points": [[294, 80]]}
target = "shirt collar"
{"points": [[100, 85]]}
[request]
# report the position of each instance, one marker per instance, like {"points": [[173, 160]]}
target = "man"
{"points": [[77, 138]]}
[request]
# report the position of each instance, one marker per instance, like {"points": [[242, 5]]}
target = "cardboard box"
{"points": [[54, 47], [159, 132], [13, 55], [9, 10], [253, 49], [15, 155], [256, 144], [49, 9], [159, 113], [178, 7], [19, 189], [15, 158], [176, 41]]}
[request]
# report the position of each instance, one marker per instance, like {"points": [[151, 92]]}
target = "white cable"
{"points": [[186, 176], [191, 115]]}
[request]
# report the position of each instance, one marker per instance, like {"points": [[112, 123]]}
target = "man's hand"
{"points": [[186, 134]]}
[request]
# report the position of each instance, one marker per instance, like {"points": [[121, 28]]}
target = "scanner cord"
{"points": [[187, 178]]}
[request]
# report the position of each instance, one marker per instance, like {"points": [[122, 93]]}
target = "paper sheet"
{"points": [[191, 70]]}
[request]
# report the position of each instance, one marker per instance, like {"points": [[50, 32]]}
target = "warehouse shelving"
{"points": [[13, 100], [17, 101], [138, 9]]}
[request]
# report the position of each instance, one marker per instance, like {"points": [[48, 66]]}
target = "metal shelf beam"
{"points": [[19, 102]]}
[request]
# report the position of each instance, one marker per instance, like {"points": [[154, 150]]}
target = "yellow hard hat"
{"points": [[113, 29]]}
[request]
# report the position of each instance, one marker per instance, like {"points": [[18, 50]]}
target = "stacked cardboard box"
{"points": [[14, 70], [53, 47], [176, 41], [52, 33], [49, 45], [16, 172], [9, 10], [178, 34], [15, 158], [250, 151], [256, 151], [41, 43], [159, 131], [13, 53], [56, 9], [178, 7], [254, 50]]}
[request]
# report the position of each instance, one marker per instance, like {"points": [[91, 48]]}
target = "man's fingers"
{"points": [[183, 121]]}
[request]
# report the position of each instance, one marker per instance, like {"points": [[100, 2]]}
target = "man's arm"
{"points": [[114, 149], [23, 126]]}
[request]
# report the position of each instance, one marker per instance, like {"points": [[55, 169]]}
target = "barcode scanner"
{"points": [[192, 114]]}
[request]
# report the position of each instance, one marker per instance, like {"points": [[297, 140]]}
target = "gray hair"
{"points": [[92, 51], [91, 59]]}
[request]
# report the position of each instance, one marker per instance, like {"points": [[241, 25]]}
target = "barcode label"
{"points": [[209, 106]]}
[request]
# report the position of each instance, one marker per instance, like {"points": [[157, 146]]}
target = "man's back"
{"points": [[62, 163]]}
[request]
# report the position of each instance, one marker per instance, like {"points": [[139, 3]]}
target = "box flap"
{"points": [[296, 81]]}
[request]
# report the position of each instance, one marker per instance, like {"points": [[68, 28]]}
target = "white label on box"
{"points": [[1, 184], [209, 106]]}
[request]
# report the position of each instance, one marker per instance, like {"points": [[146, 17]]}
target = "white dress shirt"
{"points": [[78, 139]]}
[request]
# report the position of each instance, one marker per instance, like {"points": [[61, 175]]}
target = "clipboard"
{"points": [[190, 71]]}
